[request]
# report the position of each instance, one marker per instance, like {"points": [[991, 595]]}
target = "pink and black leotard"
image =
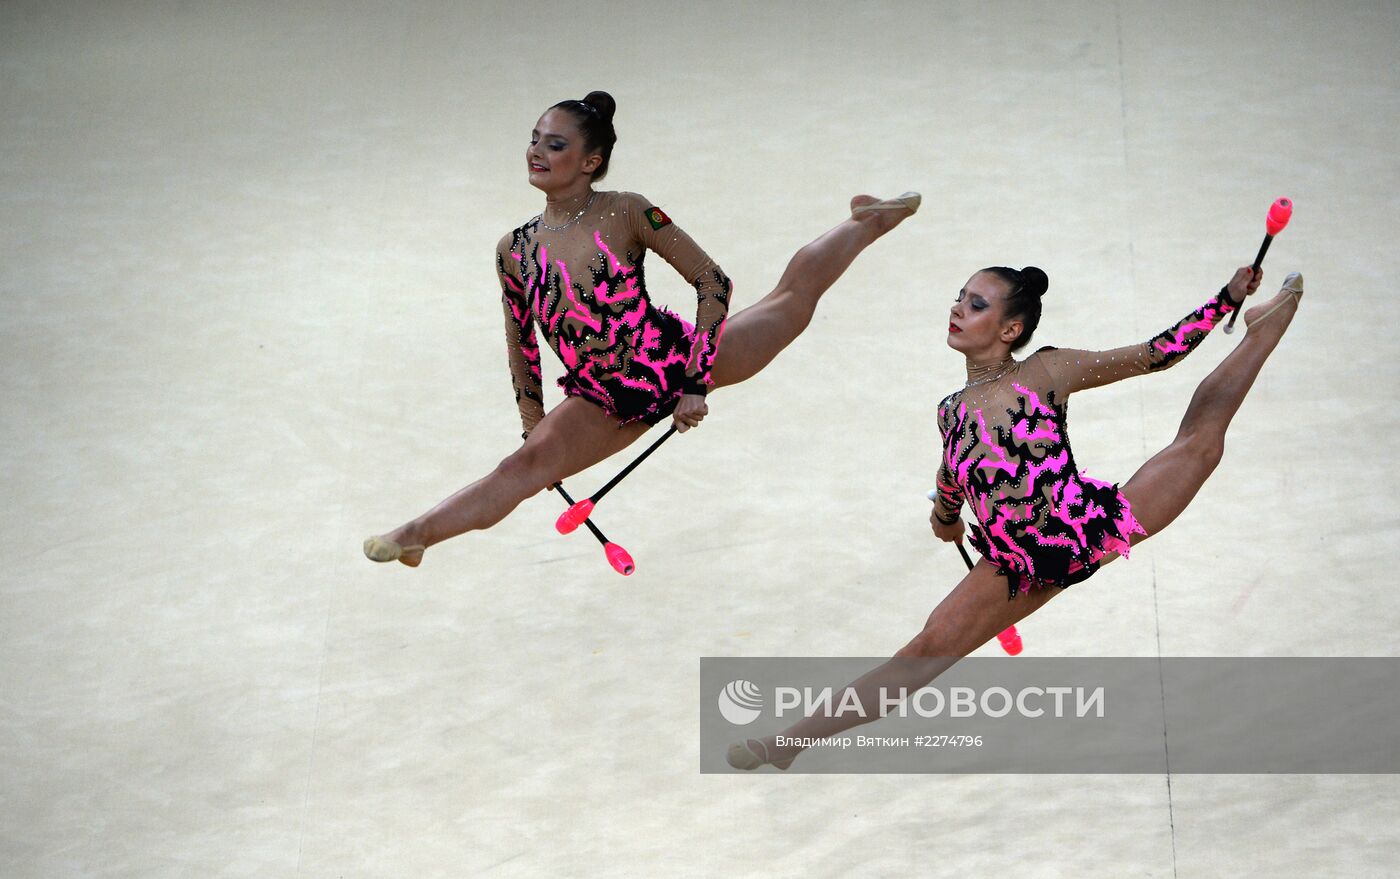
{"points": [[583, 285], [1006, 453]]}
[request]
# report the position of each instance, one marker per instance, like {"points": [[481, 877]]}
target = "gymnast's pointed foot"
{"points": [[885, 213], [387, 549], [753, 753], [1274, 316]]}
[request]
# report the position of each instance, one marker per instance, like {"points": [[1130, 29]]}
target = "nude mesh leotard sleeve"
{"points": [[1073, 370], [948, 504], [522, 351], [657, 233]]}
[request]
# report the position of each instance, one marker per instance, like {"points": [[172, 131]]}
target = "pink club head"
{"points": [[1010, 641], [1280, 212], [619, 559], [570, 519]]}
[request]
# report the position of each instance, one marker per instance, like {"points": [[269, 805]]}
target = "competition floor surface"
{"points": [[250, 317]]}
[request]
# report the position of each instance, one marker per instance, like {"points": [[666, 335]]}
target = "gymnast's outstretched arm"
{"points": [[1073, 370]]}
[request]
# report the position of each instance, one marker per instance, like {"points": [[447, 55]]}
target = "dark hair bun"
{"points": [[1034, 281], [603, 103]]}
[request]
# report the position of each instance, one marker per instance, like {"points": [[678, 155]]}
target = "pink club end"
{"points": [[573, 517], [1280, 212], [619, 559], [1010, 641]]}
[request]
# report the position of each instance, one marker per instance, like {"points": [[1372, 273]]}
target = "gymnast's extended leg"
{"points": [[966, 619], [1162, 487], [573, 436], [755, 335]]}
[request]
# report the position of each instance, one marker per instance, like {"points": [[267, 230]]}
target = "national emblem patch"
{"points": [[657, 217]]}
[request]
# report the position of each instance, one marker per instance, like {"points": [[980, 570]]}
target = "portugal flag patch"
{"points": [[657, 217]]}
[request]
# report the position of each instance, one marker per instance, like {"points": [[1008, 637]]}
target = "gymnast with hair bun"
{"points": [[1040, 524], [574, 274]]}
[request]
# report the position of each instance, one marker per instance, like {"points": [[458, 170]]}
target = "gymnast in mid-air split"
{"points": [[575, 273], [1041, 525]]}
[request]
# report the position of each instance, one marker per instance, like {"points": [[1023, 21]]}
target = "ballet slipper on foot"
{"points": [[865, 204], [1290, 293], [745, 756], [382, 549]]}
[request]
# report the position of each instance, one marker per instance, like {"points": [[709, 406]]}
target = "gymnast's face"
{"points": [[975, 322], [556, 158]]}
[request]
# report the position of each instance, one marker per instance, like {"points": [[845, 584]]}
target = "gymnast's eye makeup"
{"points": [[977, 302]]}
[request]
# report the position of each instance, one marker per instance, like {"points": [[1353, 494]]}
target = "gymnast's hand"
{"points": [[690, 412], [951, 533], [1245, 282]]}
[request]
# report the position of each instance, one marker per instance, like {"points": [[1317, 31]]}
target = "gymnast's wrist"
{"points": [[694, 385], [953, 520], [1225, 294]]}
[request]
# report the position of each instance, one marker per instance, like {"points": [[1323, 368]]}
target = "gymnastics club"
{"points": [[1280, 212], [1010, 638], [617, 556], [579, 512]]}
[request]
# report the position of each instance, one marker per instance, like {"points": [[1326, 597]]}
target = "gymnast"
{"points": [[575, 271], [1040, 523]]}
